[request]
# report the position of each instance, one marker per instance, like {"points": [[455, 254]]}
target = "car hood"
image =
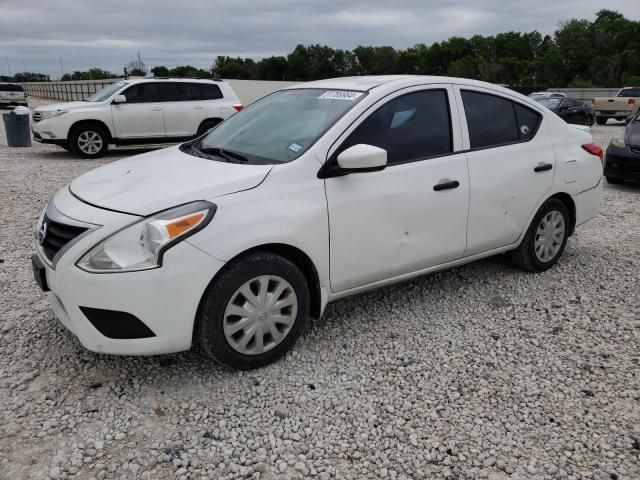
{"points": [[162, 179], [62, 106], [632, 135]]}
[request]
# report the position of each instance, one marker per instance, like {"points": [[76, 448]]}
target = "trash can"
{"points": [[17, 129]]}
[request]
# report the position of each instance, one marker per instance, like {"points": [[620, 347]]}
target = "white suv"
{"points": [[136, 112], [12, 94], [313, 193]]}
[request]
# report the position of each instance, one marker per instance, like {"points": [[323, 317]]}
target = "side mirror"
{"points": [[119, 99], [362, 158]]}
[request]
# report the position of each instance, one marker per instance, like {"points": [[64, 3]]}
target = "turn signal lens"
{"points": [[182, 225]]}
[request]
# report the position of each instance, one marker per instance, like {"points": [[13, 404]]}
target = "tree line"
{"points": [[604, 52]]}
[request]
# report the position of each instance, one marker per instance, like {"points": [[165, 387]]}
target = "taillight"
{"points": [[237, 106], [595, 149], [631, 101], [593, 101]]}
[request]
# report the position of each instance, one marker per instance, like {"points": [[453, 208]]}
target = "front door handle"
{"points": [[156, 109], [446, 185], [543, 167]]}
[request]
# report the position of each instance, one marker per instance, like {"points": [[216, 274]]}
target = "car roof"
{"points": [[369, 82], [181, 79]]}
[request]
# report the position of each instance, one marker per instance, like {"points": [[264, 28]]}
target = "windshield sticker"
{"points": [[294, 147], [340, 95]]}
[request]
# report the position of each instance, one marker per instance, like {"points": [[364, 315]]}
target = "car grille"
{"points": [[57, 235], [37, 116]]}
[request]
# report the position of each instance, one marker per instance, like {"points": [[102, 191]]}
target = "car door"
{"points": [[511, 165], [184, 108], [141, 115], [413, 214]]}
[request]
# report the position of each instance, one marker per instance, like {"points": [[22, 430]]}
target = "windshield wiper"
{"points": [[222, 153]]}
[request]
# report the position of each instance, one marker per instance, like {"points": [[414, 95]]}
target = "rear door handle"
{"points": [[198, 107], [156, 109], [446, 185], [543, 167]]}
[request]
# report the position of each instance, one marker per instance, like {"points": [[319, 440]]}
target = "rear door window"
{"points": [[179, 92], [493, 121]]}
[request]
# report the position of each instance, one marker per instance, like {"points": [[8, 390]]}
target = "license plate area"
{"points": [[39, 273]]}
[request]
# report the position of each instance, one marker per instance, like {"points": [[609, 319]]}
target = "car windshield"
{"points": [[106, 92], [629, 92], [550, 103], [276, 129], [10, 87]]}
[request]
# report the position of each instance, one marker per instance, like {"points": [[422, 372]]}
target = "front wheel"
{"points": [[88, 141], [254, 312], [545, 239]]}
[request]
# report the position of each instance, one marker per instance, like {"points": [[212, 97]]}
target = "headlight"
{"points": [[54, 113], [617, 142], [141, 246]]}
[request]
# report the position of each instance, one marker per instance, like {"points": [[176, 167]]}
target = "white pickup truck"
{"points": [[134, 112], [625, 103]]}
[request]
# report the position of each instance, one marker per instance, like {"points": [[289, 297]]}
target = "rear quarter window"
{"points": [[209, 92]]}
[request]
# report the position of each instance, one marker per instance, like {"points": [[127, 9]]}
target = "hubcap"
{"points": [[549, 236], [90, 142], [260, 314]]}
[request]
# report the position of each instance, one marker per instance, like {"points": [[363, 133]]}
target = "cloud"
{"points": [[109, 34]]}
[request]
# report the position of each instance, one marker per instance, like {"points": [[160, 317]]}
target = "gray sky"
{"points": [[109, 33]]}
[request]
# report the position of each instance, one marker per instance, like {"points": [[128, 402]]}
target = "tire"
{"points": [[207, 125], [88, 141], [614, 181], [220, 332], [601, 120], [525, 255]]}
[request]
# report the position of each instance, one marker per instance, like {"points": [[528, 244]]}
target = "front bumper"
{"points": [[52, 130], [164, 300], [622, 163]]}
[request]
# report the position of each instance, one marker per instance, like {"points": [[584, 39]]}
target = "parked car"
{"points": [[133, 112], [539, 95], [12, 94], [625, 103], [569, 109], [311, 194], [623, 156]]}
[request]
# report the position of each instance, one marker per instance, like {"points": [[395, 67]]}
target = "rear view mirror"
{"points": [[119, 99], [362, 158]]}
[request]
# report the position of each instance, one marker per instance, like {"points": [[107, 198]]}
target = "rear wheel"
{"points": [[601, 120], [88, 141], [546, 238], [254, 312]]}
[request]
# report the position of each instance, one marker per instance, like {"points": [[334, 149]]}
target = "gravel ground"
{"points": [[482, 371]]}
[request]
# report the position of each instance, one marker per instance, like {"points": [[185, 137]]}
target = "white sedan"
{"points": [[313, 193]]}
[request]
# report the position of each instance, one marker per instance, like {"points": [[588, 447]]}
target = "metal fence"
{"points": [[66, 91]]}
